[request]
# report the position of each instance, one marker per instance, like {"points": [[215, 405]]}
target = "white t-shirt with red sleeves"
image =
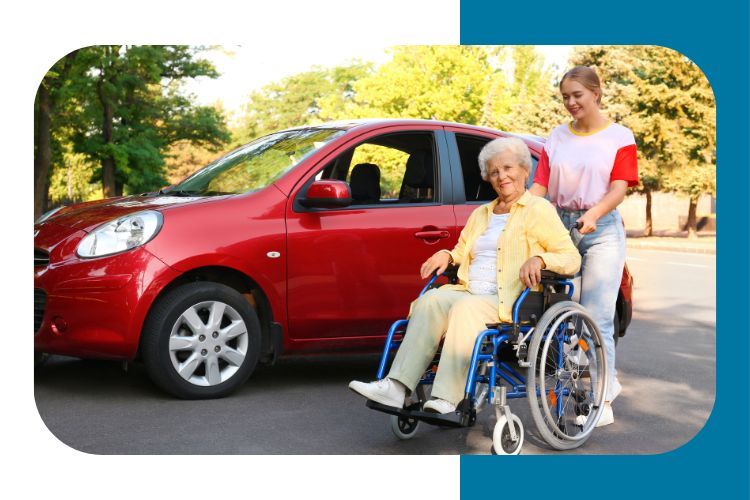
{"points": [[577, 168]]}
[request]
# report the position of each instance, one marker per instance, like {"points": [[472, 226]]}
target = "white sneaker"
{"points": [[386, 392], [440, 406], [607, 416], [615, 390]]}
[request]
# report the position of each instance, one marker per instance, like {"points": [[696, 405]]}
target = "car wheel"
{"points": [[201, 340], [40, 358]]}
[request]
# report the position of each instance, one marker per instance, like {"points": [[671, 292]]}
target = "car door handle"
{"points": [[431, 235]]}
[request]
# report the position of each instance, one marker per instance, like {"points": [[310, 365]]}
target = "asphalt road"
{"points": [[666, 363]]}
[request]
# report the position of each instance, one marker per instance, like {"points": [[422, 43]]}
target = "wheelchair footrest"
{"points": [[447, 420]]}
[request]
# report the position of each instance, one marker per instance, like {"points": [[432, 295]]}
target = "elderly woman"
{"points": [[504, 247]]}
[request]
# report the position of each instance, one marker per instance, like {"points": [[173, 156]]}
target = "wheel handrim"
{"points": [[208, 343], [562, 377]]}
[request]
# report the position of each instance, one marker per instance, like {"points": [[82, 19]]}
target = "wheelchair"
{"points": [[558, 344]]}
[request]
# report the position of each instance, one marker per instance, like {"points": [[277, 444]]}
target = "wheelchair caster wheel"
{"points": [[502, 444], [404, 428]]}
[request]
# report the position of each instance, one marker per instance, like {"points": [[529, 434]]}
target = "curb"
{"points": [[670, 248]]}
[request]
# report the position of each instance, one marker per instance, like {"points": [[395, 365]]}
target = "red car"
{"points": [[305, 240]]}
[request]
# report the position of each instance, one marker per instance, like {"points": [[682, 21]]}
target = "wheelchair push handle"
{"points": [[574, 234]]}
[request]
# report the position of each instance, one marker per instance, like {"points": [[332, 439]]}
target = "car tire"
{"points": [[201, 341], [40, 358]]}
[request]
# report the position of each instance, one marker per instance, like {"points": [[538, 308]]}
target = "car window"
{"points": [[475, 188], [257, 164], [388, 170]]}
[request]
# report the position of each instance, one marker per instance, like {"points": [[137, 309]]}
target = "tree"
{"points": [[522, 97], [667, 102], [299, 99], [124, 108], [183, 158], [429, 82], [49, 98]]}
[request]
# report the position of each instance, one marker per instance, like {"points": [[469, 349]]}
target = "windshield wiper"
{"points": [[178, 192]]}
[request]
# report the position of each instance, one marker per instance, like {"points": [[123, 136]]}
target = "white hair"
{"points": [[500, 145]]}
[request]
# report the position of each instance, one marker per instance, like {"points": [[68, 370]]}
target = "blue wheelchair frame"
{"points": [[496, 336]]}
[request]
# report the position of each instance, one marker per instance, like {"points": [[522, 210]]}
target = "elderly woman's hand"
{"points": [[531, 272], [440, 261]]}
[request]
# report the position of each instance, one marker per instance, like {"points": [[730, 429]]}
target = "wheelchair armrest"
{"points": [[550, 276]]}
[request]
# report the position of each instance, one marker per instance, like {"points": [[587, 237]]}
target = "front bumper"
{"points": [[95, 308]]}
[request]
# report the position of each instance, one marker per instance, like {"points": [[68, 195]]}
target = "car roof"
{"points": [[372, 123]]}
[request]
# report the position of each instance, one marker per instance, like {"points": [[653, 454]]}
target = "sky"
{"points": [[245, 68]]}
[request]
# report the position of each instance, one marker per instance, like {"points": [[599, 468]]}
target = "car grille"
{"points": [[40, 301], [41, 258]]}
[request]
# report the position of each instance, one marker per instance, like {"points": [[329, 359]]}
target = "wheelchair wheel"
{"points": [[566, 380], [502, 443], [404, 428]]}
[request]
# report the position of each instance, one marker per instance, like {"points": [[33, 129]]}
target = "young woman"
{"points": [[586, 167]]}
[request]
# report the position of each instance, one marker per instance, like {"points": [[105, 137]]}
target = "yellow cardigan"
{"points": [[533, 229]]}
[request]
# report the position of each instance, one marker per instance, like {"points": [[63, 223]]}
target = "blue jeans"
{"points": [[603, 253]]}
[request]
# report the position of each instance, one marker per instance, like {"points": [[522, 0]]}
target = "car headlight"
{"points": [[49, 214], [121, 234]]}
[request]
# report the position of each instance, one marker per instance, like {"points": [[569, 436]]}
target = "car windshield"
{"points": [[255, 165]]}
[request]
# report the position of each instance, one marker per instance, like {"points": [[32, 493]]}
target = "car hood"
{"points": [[89, 215]]}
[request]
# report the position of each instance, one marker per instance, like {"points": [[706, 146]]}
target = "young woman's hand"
{"points": [[589, 223], [531, 272], [440, 261]]}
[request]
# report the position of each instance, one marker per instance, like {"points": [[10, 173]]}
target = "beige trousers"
{"points": [[459, 316]]}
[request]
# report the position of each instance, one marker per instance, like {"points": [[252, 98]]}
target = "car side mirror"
{"points": [[327, 194]]}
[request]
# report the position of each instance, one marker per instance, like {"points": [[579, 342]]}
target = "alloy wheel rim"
{"points": [[208, 343]]}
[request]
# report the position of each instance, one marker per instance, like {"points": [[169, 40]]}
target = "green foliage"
{"points": [[183, 158], [299, 100], [429, 82], [507, 88], [70, 181], [125, 103], [522, 97]]}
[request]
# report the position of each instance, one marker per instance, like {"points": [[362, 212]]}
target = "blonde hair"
{"points": [[587, 77]]}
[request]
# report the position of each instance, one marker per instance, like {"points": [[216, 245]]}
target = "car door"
{"points": [[352, 271]]}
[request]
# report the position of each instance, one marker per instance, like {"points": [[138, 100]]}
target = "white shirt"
{"points": [[483, 267]]}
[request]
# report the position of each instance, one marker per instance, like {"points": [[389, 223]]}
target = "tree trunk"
{"points": [[45, 107], [649, 229], [108, 161], [692, 224], [43, 157]]}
